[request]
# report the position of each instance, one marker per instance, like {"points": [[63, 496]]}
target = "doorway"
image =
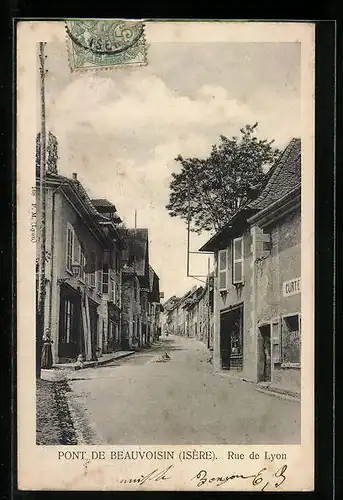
{"points": [[94, 318], [231, 339], [70, 339], [264, 354]]}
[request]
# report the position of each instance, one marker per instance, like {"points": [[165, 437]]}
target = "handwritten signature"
{"points": [[276, 479], [155, 475], [262, 478]]}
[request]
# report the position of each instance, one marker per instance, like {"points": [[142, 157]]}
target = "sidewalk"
{"points": [[105, 358], [292, 393]]}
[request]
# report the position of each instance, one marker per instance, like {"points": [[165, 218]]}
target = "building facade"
{"points": [[257, 284], [82, 272], [192, 315], [154, 307], [140, 300]]}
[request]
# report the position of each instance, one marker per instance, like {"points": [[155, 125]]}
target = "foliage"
{"points": [[209, 191], [52, 153]]}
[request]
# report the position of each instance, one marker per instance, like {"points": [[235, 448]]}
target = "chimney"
{"points": [[74, 176]]}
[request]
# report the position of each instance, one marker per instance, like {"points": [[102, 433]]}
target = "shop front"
{"points": [[231, 338]]}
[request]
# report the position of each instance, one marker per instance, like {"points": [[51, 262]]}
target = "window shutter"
{"points": [[99, 276], [105, 278], [238, 260], [276, 340], [222, 269]]}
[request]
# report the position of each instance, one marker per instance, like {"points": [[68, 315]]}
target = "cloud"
{"points": [[144, 105]]}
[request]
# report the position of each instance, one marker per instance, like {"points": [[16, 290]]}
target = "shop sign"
{"points": [[291, 287]]}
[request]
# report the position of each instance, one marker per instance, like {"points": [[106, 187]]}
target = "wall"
{"points": [[233, 296], [60, 212], [283, 263], [130, 309]]}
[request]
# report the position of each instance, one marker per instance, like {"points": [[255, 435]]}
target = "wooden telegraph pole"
{"points": [[42, 226], [208, 304]]}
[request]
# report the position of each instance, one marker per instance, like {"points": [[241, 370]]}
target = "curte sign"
{"points": [[291, 287]]}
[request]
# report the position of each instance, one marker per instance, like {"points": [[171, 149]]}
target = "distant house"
{"points": [[192, 314], [205, 313], [169, 317], [83, 271], [140, 289], [191, 307], [154, 307], [257, 296]]}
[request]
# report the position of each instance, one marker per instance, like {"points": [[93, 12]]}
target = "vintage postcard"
{"points": [[165, 201]]}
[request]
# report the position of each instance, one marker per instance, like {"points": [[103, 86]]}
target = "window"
{"points": [[82, 262], [222, 269], [70, 246], [118, 294], [99, 277], [117, 261], [92, 270], [136, 291], [113, 291], [105, 278], [276, 341], [291, 340], [238, 258]]}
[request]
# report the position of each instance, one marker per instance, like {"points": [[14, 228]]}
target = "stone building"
{"points": [[83, 270], [154, 307], [205, 314], [169, 317], [192, 314], [257, 297], [140, 297]]}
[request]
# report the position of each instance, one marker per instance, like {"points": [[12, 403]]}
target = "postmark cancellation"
{"points": [[106, 43]]}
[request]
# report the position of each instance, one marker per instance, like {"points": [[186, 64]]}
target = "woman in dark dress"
{"points": [[47, 351]]}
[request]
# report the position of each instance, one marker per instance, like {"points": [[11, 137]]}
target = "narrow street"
{"points": [[141, 400]]}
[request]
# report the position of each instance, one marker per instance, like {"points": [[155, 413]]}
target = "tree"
{"points": [[211, 190], [52, 154]]}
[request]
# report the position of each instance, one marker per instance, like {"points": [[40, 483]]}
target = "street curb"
{"points": [[92, 364], [121, 356], [282, 394], [267, 389]]}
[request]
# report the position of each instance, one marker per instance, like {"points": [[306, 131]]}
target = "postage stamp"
{"points": [[106, 43]]}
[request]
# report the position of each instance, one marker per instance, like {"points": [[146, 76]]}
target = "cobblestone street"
{"points": [[143, 400]]}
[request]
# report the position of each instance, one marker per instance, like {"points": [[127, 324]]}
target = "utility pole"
{"points": [[42, 228], [208, 305], [188, 228]]}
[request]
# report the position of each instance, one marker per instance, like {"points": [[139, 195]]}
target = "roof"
{"points": [[103, 205], [285, 177], [154, 286], [237, 221], [193, 298], [78, 189], [171, 303]]}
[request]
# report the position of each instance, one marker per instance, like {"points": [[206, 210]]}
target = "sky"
{"points": [[121, 129]]}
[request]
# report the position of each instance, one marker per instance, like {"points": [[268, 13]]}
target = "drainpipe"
{"points": [[52, 243]]}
